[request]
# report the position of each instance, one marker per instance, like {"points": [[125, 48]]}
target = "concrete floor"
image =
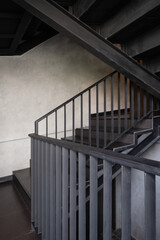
{"points": [[15, 219]]}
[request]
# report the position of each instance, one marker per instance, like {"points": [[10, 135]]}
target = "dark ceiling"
{"points": [[20, 31]]}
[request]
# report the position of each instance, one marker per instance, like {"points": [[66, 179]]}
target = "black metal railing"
{"points": [[59, 207], [100, 114]]}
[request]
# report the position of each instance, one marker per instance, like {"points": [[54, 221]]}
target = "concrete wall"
{"points": [[34, 84], [138, 197]]}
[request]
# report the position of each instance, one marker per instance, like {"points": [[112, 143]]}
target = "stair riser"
{"points": [[147, 123], [94, 135], [127, 138]]}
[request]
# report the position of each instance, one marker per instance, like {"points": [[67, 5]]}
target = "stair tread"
{"points": [[23, 176], [117, 144], [85, 141]]}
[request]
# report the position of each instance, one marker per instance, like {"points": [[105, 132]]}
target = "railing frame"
{"points": [[54, 155]]}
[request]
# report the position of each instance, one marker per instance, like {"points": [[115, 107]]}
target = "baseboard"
{"points": [[6, 179]]}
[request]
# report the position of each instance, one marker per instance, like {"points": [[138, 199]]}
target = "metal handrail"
{"points": [[76, 96], [145, 165], [144, 106]]}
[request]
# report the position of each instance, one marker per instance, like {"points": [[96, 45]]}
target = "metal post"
{"points": [[126, 203], [150, 207], [82, 196], [93, 199]]}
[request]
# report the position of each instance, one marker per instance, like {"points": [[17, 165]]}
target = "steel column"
{"points": [[93, 199], [126, 203], [73, 160], [82, 196], [150, 207]]}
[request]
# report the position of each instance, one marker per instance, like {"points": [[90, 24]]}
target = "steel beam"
{"points": [[153, 63], [26, 19], [64, 22], [81, 7], [142, 45], [129, 14]]}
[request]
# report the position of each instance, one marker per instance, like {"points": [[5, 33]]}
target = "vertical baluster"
{"points": [[36, 183], [112, 108], [119, 104], [64, 194], [58, 193], [73, 119], [53, 192], [48, 191], [150, 207], [93, 199], [144, 103], [125, 102], [107, 200], [32, 179], [73, 159], [65, 121], [105, 119], [89, 117], [36, 127], [138, 103], [47, 126], [42, 184], [39, 187], [158, 104], [132, 103], [97, 117], [82, 196], [56, 124], [44, 192], [81, 119], [151, 104], [126, 203]]}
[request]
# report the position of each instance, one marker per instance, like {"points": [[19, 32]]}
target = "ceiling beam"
{"points": [[5, 52], [33, 28], [143, 43], [65, 23], [81, 7], [33, 42], [64, 3], [6, 35], [24, 23], [10, 15], [129, 14], [153, 64]]}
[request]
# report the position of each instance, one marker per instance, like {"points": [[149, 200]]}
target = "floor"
{"points": [[15, 221]]}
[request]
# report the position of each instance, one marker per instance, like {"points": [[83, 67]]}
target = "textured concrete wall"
{"points": [[138, 197], [34, 84]]}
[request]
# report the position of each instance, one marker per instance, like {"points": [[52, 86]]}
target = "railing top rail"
{"points": [[142, 164], [74, 97]]}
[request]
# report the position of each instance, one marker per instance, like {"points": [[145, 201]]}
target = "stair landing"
{"points": [[15, 219]]}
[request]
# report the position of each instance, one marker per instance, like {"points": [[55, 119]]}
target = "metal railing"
{"points": [[58, 173], [100, 114]]}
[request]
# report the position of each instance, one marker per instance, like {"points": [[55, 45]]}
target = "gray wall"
{"points": [[137, 199], [34, 84]]}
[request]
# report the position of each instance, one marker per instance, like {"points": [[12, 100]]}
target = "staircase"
{"points": [[130, 130], [82, 145]]}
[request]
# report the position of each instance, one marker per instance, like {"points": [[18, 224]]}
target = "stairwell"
{"points": [[94, 136]]}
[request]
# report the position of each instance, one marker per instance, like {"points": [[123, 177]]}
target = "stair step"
{"points": [[24, 176], [94, 134], [146, 123], [116, 145], [85, 141], [109, 122], [22, 180]]}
